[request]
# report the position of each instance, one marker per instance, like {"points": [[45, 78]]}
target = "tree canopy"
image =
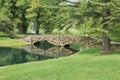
{"points": [[97, 18], [6, 26]]}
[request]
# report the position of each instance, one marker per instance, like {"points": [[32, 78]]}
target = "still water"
{"points": [[29, 53], [37, 52]]}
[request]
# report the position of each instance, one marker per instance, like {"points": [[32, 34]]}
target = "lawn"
{"points": [[6, 41], [85, 65]]}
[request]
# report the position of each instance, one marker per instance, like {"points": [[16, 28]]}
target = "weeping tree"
{"points": [[107, 10], [99, 17]]}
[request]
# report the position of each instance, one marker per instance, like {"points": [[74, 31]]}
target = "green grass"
{"points": [[6, 41], [86, 65]]}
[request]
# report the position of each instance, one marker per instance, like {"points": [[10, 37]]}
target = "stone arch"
{"points": [[43, 44], [64, 41]]}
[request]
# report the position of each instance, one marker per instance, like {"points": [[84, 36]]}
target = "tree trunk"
{"points": [[106, 44], [37, 30], [20, 28], [106, 40], [37, 24]]}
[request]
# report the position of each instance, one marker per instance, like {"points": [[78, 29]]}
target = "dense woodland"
{"points": [[96, 18]]}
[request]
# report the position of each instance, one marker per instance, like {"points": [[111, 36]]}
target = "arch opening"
{"points": [[43, 45]]}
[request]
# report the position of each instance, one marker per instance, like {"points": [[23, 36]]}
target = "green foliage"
{"points": [[113, 18], [44, 15], [15, 9], [6, 25], [89, 18], [78, 47], [48, 15]]}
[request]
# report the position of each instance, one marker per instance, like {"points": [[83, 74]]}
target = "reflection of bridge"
{"points": [[53, 52], [62, 40]]}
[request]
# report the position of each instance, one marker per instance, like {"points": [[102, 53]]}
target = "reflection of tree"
{"points": [[14, 56], [19, 57]]}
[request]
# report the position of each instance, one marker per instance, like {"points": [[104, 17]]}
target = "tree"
{"points": [[38, 13], [43, 14], [6, 26], [105, 15], [108, 10], [21, 19], [16, 11], [8, 8], [99, 18]]}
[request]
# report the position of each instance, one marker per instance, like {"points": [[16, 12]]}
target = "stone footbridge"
{"points": [[63, 40]]}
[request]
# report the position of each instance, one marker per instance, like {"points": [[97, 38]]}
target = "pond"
{"points": [[28, 53]]}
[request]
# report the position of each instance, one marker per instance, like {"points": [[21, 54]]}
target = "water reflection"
{"points": [[30, 53], [12, 56], [54, 52]]}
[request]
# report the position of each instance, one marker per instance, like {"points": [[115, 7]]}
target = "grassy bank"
{"points": [[87, 65], [6, 41]]}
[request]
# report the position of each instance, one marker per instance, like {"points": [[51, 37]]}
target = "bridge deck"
{"points": [[62, 40]]}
